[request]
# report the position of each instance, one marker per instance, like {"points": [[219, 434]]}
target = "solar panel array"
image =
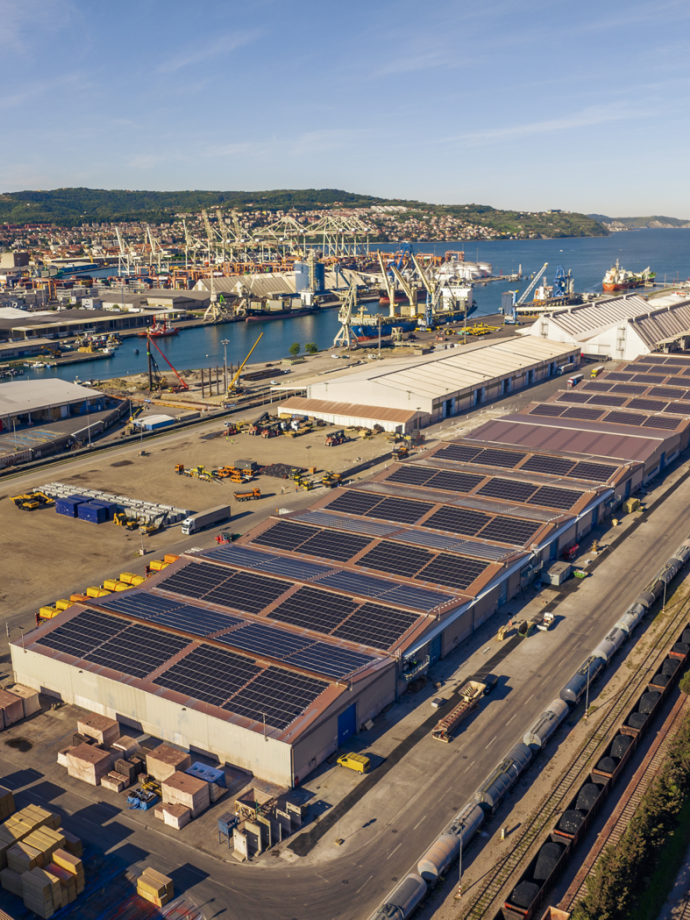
{"points": [[286, 535], [445, 480], [83, 633], [369, 505], [414, 562], [243, 591], [487, 456]]}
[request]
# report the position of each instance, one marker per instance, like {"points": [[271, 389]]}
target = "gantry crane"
{"points": [[345, 336]]}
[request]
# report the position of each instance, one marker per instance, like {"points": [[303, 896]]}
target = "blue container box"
{"points": [[67, 506], [208, 774], [110, 507], [94, 514]]}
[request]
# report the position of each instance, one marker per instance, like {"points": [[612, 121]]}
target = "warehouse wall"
{"points": [[322, 740], [268, 759]]}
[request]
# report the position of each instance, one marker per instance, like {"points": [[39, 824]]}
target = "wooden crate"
{"points": [[89, 763], [101, 728], [114, 781], [11, 881], [7, 806], [29, 698], [126, 745], [37, 891], [12, 707], [73, 843], [176, 816], [164, 761], [23, 858], [71, 864], [183, 789]]}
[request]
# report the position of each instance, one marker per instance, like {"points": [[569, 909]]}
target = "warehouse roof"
{"points": [[442, 372], [300, 404], [262, 284], [18, 396]]}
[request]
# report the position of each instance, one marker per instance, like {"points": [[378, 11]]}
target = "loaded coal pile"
{"points": [[661, 679], [587, 796], [607, 764], [636, 720], [524, 894], [681, 648], [671, 665], [547, 860], [649, 701], [620, 745], [571, 822]]}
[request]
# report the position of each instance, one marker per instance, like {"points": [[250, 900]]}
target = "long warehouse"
{"points": [[270, 652]]}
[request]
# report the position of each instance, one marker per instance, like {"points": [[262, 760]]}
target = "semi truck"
{"points": [[203, 519]]}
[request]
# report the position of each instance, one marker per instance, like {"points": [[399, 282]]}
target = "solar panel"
{"points": [[556, 466], [330, 660], [625, 418], [239, 555], [400, 509], [508, 489], [209, 674], [277, 696], [668, 393], [598, 386], [411, 475], [351, 502], [248, 592], [333, 545], [165, 612], [550, 409], [284, 535], [266, 640], [606, 400], [356, 525], [680, 408], [394, 559], [508, 459], [83, 633], [457, 452], [555, 498], [196, 579], [510, 530], [138, 650], [573, 397], [648, 405], [597, 472], [376, 626], [311, 608], [454, 571], [582, 412], [617, 375], [354, 583], [676, 381], [457, 520], [452, 544], [455, 482], [417, 598], [649, 379], [628, 389], [661, 421], [295, 568]]}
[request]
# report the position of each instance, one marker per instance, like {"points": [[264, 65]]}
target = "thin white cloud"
{"points": [[224, 44], [22, 18]]}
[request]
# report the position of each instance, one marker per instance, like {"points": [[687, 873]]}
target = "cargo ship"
{"points": [[260, 316], [159, 330], [618, 279], [365, 331]]}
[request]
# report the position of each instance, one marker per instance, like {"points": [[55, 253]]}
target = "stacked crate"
{"points": [[164, 760], [7, 806], [182, 789], [29, 698], [20, 825], [11, 709], [155, 887], [89, 763], [102, 729]]}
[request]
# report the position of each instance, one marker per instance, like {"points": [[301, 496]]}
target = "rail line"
{"points": [[617, 824], [497, 878]]}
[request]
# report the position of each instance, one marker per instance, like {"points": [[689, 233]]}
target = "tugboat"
{"points": [[618, 279]]}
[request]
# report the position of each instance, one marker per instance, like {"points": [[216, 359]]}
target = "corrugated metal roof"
{"points": [[586, 320], [353, 410], [670, 321], [32, 395], [262, 284]]}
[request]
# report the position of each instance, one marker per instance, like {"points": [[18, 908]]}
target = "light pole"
{"points": [[225, 343], [587, 699]]}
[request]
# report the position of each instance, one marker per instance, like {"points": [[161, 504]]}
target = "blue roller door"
{"points": [[347, 723]]}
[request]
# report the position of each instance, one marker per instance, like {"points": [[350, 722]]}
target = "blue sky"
{"points": [[578, 105]]}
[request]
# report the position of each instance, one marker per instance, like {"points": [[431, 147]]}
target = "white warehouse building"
{"points": [[413, 392], [622, 327]]}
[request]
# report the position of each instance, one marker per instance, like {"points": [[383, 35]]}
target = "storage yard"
{"points": [[302, 638]]}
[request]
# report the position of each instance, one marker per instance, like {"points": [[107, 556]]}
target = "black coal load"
{"points": [[681, 648], [620, 745], [587, 796], [661, 680], [686, 636], [607, 764], [648, 701], [547, 860], [636, 720], [670, 666], [524, 894], [571, 822]]}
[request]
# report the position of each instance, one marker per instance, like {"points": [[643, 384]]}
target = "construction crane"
{"points": [[433, 291], [156, 251], [389, 284], [345, 336], [532, 284], [409, 289], [123, 259], [156, 379], [562, 283], [231, 385]]}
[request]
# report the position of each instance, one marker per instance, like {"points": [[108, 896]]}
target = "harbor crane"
{"points": [[345, 337], [233, 382], [532, 285], [433, 291]]}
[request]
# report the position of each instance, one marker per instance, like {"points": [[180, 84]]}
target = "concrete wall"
{"points": [[268, 759]]}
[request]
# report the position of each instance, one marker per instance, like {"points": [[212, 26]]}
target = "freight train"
{"points": [[552, 856]]}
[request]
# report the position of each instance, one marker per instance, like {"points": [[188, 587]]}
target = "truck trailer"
{"points": [[203, 519]]}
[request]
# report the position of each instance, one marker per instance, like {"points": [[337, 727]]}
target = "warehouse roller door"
{"points": [[347, 724]]}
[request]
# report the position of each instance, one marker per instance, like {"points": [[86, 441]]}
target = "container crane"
{"points": [[389, 284], [345, 336], [533, 283]]}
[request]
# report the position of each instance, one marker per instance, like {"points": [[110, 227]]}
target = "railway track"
{"points": [[625, 810], [493, 882]]}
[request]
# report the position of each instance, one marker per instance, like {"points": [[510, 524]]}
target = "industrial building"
{"points": [[266, 284], [270, 652], [621, 328], [27, 402], [427, 388]]}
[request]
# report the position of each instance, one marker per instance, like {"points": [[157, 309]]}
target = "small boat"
{"points": [[159, 330], [136, 351]]}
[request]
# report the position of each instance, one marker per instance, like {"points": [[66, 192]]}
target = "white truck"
{"points": [[203, 519]]}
